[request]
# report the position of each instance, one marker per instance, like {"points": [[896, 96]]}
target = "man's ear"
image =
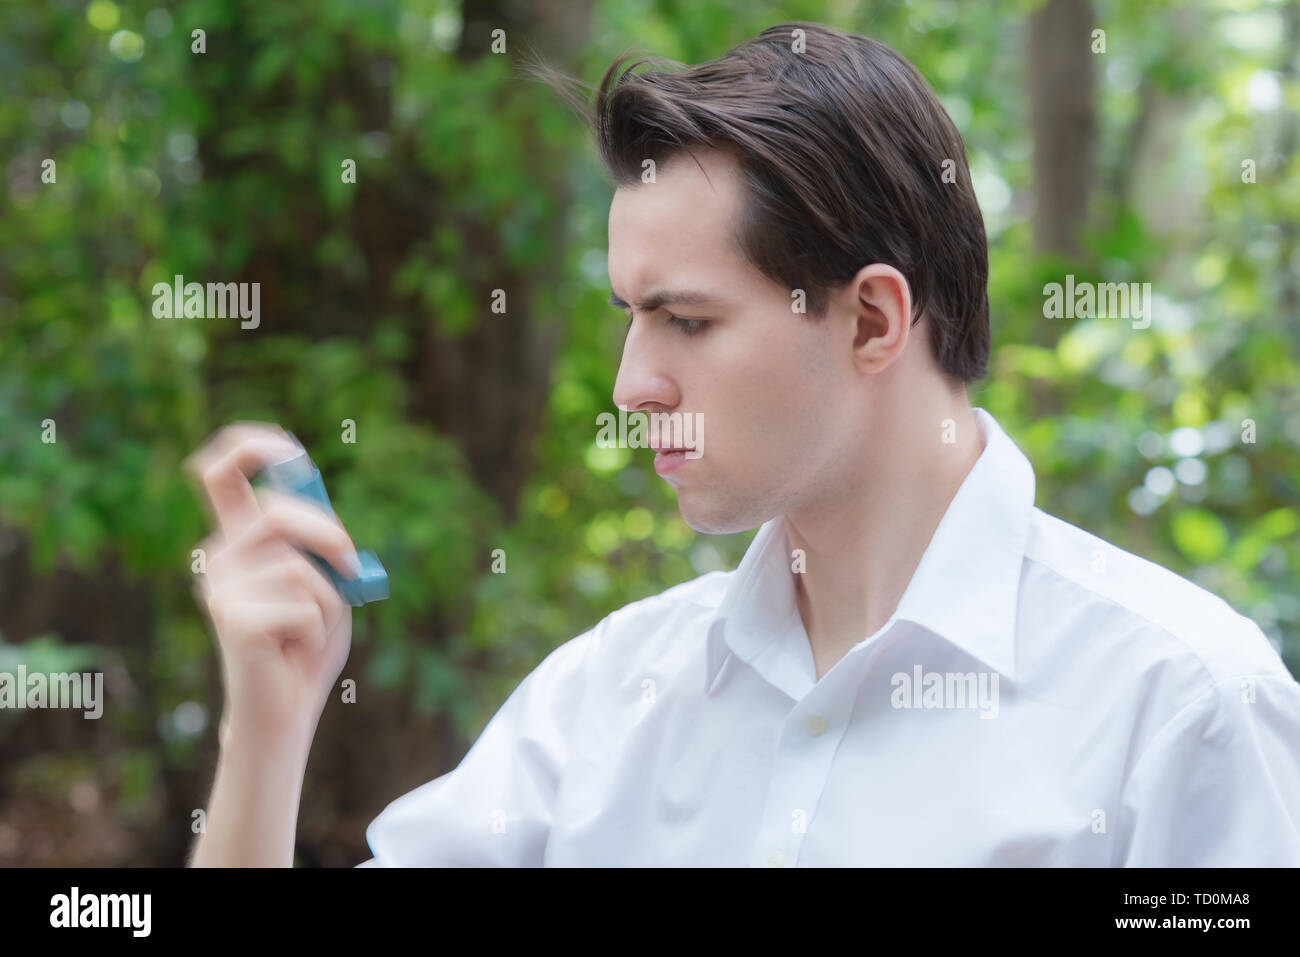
{"points": [[877, 302]]}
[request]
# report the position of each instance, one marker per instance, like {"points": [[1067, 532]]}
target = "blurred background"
{"points": [[1167, 156]]}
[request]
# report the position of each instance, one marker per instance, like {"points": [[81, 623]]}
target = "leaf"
{"points": [[1199, 534]]}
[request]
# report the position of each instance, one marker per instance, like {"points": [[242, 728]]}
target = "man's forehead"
{"points": [[683, 181], [681, 223]]}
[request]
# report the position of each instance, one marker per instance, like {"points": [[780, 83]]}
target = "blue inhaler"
{"points": [[298, 475]]}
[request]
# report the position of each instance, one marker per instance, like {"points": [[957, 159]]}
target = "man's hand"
{"points": [[282, 630]]}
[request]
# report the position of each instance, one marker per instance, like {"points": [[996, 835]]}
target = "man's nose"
{"points": [[643, 377]]}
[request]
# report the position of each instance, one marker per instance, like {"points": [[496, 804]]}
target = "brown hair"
{"points": [[842, 147]]}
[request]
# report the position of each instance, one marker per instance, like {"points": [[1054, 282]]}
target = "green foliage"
{"points": [[227, 165]]}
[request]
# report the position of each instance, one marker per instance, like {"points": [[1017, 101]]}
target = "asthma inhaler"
{"points": [[298, 475]]}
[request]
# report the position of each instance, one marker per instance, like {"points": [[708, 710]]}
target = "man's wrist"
{"points": [[236, 737]]}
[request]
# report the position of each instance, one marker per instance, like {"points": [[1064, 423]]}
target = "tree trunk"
{"points": [[1059, 74]]}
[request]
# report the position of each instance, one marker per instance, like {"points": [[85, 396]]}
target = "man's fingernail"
{"points": [[354, 562]]}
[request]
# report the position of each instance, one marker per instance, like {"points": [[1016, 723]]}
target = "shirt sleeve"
{"points": [[495, 809], [1219, 784]]}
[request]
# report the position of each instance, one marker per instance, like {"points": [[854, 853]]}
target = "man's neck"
{"points": [[861, 549]]}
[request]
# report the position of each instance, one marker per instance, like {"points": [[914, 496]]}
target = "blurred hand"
{"points": [[282, 630]]}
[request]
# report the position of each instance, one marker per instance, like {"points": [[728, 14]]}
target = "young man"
{"points": [[912, 665]]}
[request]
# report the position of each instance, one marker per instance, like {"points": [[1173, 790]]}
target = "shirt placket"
{"points": [[805, 752], [801, 767]]}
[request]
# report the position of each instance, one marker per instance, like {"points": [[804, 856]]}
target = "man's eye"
{"points": [[688, 327]]}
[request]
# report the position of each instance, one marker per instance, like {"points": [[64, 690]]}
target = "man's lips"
{"points": [[669, 460]]}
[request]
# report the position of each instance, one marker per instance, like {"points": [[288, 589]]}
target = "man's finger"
{"points": [[226, 438], [305, 525], [226, 478]]}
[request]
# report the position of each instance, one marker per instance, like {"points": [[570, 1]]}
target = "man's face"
{"points": [[765, 379]]}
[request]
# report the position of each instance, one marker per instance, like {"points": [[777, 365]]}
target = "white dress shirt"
{"points": [[1039, 697]]}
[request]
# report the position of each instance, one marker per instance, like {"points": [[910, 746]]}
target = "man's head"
{"points": [[827, 177]]}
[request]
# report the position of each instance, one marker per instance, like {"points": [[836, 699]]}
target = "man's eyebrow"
{"points": [[658, 298]]}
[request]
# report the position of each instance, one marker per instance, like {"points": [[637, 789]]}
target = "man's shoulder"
{"points": [[1085, 572], [704, 591], [648, 630], [698, 598], [653, 626]]}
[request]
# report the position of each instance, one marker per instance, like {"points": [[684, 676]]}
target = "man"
{"points": [[912, 664]]}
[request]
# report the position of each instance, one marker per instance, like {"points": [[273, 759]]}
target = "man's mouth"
{"points": [[669, 460]]}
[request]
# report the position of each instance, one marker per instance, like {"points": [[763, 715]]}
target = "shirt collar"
{"points": [[964, 590]]}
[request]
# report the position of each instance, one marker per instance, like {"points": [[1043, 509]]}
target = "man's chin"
{"points": [[709, 519]]}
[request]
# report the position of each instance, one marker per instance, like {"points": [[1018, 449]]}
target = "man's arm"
{"points": [[283, 633], [498, 807], [1219, 784], [252, 816]]}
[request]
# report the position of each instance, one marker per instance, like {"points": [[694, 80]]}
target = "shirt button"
{"points": [[776, 859], [816, 724]]}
